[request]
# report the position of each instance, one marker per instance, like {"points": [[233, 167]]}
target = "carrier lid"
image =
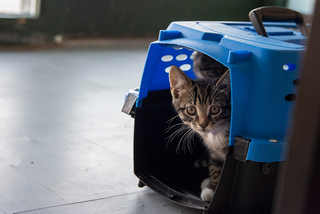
{"points": [[282, 35]]}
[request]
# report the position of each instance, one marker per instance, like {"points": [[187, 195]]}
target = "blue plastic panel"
{"points": [[156, 72], [262, 69], [170, 56], [260, 150]]}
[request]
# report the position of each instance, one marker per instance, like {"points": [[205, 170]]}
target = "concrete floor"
{"points": [[66, 147]]}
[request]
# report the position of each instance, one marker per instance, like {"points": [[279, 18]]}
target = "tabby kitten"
{"points": [[205, 67], [204, 106]]}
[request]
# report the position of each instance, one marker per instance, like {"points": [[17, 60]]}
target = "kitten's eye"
{"points": [[214, 109], [191, 110]]}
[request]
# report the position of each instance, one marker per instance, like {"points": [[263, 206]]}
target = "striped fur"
{"points": [[205, 108]]}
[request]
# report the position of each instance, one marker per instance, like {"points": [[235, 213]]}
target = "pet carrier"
{"points": [[264, 61]]}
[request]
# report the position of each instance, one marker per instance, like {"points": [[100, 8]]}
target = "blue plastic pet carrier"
{"points": [[264, 61]]}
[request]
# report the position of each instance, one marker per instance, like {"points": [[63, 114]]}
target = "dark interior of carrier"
{"points": [[172, 166]]}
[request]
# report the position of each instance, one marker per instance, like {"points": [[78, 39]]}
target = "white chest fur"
{"points": [[216, 142]]}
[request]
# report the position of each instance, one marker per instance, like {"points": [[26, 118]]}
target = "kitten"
{"points": [[205, 107], [205, 67]]}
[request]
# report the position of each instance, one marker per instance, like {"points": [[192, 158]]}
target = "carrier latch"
{"points": [[129, 105], [240, 149]]}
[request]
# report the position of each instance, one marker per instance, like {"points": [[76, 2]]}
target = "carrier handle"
{"points": [[276, 14]]}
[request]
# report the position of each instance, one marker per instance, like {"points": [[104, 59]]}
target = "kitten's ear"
{"points": [[178, 81]]}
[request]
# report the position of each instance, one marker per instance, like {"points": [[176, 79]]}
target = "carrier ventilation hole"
{"points": [[296, 82], [289, 67], [177, 48], [167, 58], [181, 57], [291, 97], [167, 70], [185, 67]]}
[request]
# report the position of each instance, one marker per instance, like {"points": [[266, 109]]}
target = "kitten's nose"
{"points": [[203, 125]]}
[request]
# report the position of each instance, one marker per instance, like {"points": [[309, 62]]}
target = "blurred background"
{"points": [[39, 22], [65, 66]]}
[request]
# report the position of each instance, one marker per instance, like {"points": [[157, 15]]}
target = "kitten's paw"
{"points": [[205, 183], [207, 194]]}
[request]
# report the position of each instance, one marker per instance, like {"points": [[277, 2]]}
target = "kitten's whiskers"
{"points": [[184, 141], [187, 137], [171, 127], [171, 119], [215, 94], [176, 132]]}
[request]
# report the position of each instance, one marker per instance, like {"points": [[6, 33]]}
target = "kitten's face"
{"points": [[200, 104]]}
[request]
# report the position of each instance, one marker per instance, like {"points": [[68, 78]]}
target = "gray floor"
{"points": [[66, 147]]}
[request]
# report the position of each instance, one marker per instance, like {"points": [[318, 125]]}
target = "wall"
{"points": [[39, 31], [147, 17], [118, 18]]}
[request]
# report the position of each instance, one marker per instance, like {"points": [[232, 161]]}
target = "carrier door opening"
{"points": [[204, 107]]}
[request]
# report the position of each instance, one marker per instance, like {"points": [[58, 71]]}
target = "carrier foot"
{"points": [[141, 184]]}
